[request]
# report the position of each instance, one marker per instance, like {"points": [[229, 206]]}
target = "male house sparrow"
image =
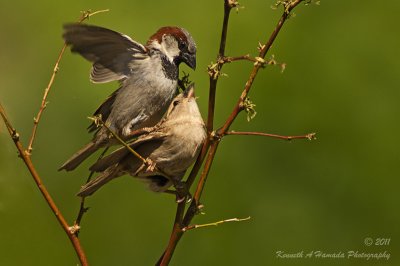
{"points": [[148, 77], [173, 146]]}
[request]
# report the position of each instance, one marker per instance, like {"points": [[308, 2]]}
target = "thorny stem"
{"points": [[36, 119], [210, 146], [46, 195]]}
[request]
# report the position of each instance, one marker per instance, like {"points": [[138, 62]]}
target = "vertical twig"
{"points": [[177, 231], [214, 76], [214, 73]]}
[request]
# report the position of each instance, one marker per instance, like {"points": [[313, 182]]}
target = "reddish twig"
{"points": [[36, 120], [309, 136], [213, 73], [27, 160]]}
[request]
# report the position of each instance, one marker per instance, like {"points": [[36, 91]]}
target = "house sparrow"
{"points": [[148, 77], [172, 147]]}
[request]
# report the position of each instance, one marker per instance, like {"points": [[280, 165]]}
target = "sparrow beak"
{"points": [[190, 60], [189, 92]]}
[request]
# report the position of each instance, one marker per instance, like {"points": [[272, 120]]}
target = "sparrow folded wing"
{"points": [[104, 110], [153, 139]]}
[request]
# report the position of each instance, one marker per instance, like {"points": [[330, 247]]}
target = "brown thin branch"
{"points": [[309, 136], [228, 5], [215, 71], [204, 173], [49, 200], [85, 15], [176, 235], [181, 219], [180, 211], [177, 227]]}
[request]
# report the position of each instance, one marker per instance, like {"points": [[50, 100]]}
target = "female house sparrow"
{"points": [[148, 76], [173, 146]]}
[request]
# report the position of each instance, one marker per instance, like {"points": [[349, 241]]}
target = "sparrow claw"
{"points": [[182, 192], [141, 131], [179, 199], [150, 165]]}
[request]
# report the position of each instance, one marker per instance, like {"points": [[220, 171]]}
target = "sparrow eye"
{"points": [[175, 103], [182, 46]]}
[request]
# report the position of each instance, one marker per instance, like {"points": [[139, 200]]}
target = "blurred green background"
{"points": [[341, 81]]}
